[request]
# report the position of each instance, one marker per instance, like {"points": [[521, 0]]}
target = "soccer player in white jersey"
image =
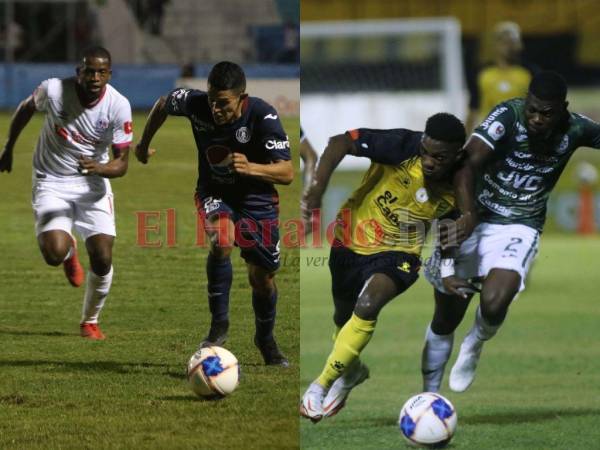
{"points": [[71, 166]]}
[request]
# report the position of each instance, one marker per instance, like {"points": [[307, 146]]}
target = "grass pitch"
{"points": [[60, 391], [537, 382]]}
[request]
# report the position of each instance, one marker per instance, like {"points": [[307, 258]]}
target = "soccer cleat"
{"points": [[271, 353], [73, 270], [463, 371], [336, 398], [217, 335], [91, 331], [311, 405]]}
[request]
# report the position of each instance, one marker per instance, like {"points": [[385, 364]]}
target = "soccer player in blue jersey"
{"points": [[243, 152], [514, 159]]}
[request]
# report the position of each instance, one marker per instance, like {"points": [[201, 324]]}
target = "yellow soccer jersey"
{"points": [[497, 84], [393, 207]]}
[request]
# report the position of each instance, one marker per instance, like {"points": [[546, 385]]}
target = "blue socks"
{"points": [[220, 274], [264, 312]]}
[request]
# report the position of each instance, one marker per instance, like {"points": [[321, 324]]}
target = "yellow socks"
{"points": [[350, 341]]}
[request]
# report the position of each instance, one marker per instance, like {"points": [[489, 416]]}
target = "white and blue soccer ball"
{"points": [[213, 372], [428, 420]]}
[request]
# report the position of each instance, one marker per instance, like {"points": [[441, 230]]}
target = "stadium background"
{"points": [[59, 391], [537, 381]]}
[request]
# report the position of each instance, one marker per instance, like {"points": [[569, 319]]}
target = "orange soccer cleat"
{"points": [[73, 269], [91, 331]]}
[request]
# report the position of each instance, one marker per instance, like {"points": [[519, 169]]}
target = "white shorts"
{"points": [[490, 246], [85, 204]]}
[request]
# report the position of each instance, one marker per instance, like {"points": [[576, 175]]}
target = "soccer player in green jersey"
{"points": [[515, 158]]}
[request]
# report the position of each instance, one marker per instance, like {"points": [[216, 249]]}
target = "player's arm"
{"points": [[115, 168], [20, 119], [478, 153], [277, 172], [337, 147], [309, 157], [155, 119]]}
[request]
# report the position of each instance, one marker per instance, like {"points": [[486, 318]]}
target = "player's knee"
{"points": [[100, 262], [262, 284], [54, 254], [219, 251], [367, 307]]}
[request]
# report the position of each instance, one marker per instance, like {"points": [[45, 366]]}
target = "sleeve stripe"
{"points": [[121, 145], [353, 134], [484, 140]]}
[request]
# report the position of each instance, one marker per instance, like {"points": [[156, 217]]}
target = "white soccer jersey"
{"points": [[72, 130]]}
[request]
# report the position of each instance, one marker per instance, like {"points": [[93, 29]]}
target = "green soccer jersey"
{"points": [[516, 183]]}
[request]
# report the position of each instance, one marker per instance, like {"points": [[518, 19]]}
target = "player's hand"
{"points": [[6, 159], [459, 287], [452, 234], [310, 203], [143, 153], [88, 166], [240, 164]]}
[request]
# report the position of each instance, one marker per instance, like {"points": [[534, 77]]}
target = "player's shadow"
{"points": [[528, 416], [37, 333], [92, 366]]}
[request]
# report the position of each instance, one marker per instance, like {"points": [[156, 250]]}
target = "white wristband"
{"points": [[447, 267]]}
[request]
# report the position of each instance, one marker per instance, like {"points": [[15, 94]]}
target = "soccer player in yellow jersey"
{"points": [[506, 78], [379, 235]]}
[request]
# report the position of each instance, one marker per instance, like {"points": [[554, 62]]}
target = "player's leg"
{"points": [[507, 253], [499, 289], [219, 229], [53, 223], [98, 283], [264, 303], [448, 313]]}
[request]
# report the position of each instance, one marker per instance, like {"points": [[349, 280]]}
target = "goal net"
{"points": [[378, 74]]}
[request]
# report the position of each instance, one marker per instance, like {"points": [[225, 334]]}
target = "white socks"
{"points": [[436, 352], [96, 291]]}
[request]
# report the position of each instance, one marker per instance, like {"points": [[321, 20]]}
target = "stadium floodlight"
{"points": [[378, 74]]}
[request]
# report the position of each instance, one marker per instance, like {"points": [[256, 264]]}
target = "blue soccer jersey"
{"points": [[258, 134]]}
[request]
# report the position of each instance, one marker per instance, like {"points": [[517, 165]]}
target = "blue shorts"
{"points": [[350, 271], [256, 228]]}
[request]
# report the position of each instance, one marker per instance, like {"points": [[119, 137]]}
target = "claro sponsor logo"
{"points": [[277, 145]]}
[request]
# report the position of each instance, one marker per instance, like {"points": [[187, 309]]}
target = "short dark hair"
{"points": [[97, 52], [446, 128], [227, 75], [549, 85]]}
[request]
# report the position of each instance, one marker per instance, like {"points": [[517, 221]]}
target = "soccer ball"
{"points": [[213, 372], [427, 420]]}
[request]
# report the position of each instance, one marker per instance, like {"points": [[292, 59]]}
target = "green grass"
{"points": [[59, 391], [537, 384]]}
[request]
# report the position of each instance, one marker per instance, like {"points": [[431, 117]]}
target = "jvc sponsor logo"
{"points": [[277, 145], [527, 182]]}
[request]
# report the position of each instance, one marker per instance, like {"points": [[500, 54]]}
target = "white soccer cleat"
{"points": [[311, 405], [463, 371], [335, 399]]}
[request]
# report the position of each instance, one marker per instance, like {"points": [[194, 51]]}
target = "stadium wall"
{"points": [[143, 84]]}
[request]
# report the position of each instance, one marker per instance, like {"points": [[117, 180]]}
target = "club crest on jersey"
{"points": [[243, 135], [421, 195], [101, 125], [219, 158], [564, 145]]}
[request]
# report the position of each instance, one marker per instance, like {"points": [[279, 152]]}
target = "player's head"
{"points": [[441, 145], [546, 103], [94, 71], [226, 91], [507, 39]]}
